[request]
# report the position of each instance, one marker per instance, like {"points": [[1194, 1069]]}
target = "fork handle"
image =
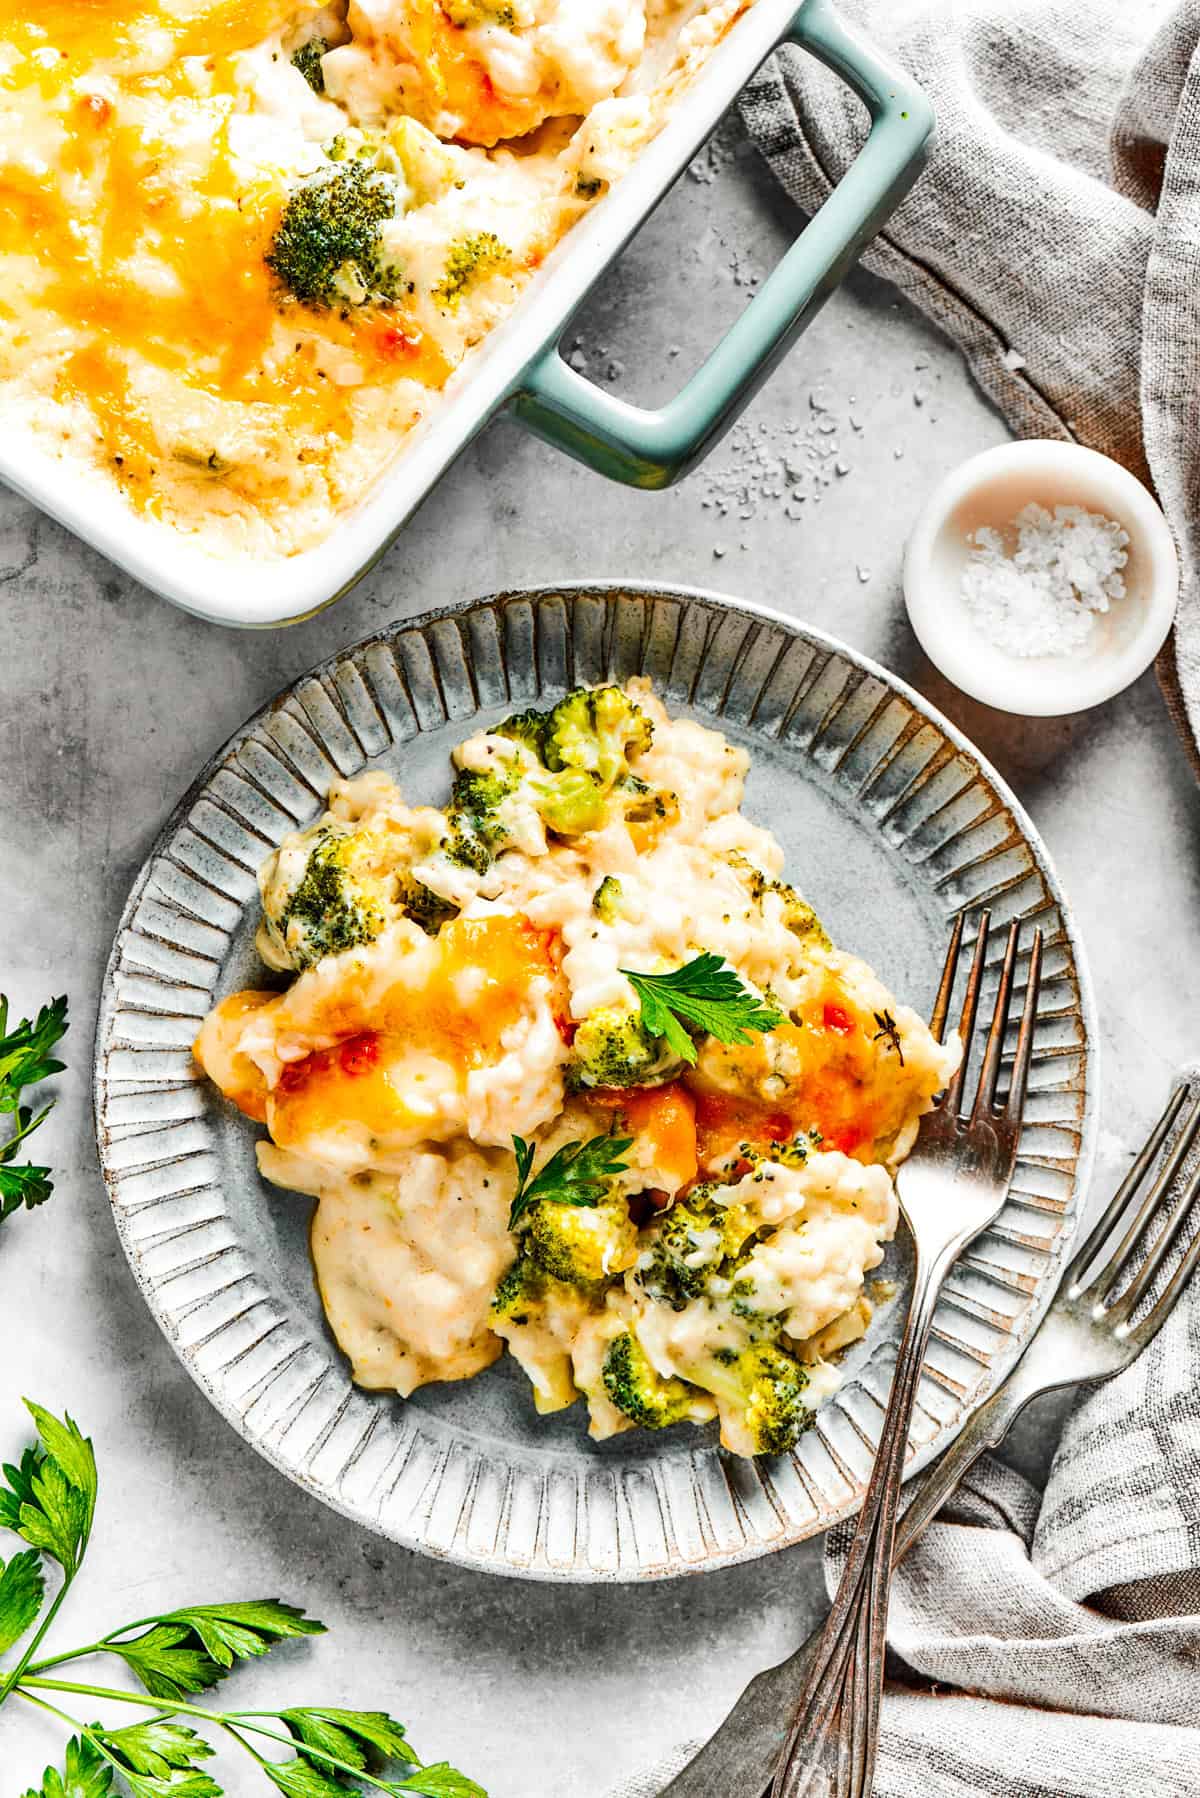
{"points": [[741, 1754], [987, 1428], [836, 1722]]}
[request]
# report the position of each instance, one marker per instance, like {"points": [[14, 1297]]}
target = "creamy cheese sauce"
{"points": [[148, 153], [445, 1004]]}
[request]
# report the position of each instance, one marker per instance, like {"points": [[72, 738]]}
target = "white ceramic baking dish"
{"points": [[519, 365]]}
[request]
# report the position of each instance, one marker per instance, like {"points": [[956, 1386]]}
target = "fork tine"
{"points": [[989, 1073], [1023, 1055], [1140, 1285], [1141, 1166], [1165, 1303], [941, 1005], [966, 1026]]}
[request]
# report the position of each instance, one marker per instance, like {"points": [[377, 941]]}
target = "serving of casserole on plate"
{"points": [[571, 1068], [589, 959], [263, 262]]}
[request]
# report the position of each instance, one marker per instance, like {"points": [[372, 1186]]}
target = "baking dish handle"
{"points": [[653, 448]]}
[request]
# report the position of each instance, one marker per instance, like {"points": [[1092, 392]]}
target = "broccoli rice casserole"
{"points": [[570, 1069], [247, 243]]}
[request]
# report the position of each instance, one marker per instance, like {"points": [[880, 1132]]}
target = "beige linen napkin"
{"points": [[1056, 232]]}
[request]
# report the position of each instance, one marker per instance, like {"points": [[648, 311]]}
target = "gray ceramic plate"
{"points": [[890, 821]]}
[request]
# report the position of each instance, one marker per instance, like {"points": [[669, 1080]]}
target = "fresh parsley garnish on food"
{"points": [[706, 994], [49, 1500], [576, 1174], [25, 1060]]}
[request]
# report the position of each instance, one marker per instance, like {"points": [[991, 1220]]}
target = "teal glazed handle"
{"points": [[653, 448]]}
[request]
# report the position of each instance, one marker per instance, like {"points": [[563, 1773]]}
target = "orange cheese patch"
{"points": [[837, 1090], [479, 985], [147, 265], [665, 1116], [216, 1051]]}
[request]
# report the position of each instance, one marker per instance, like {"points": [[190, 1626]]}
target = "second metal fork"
{"points": [[950, 1188]]}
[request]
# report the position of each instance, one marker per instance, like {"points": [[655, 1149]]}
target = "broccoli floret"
{"points": [[796, 1152], [801, 919], [569, 802], [582, 743], [332, 887], [613, 1048], [328, 910], [422, 904], [476, 828], [528, 728], [472, 257], [308, 60], [596, 729], [688, 1247], [519, 1294], [326, 248], [606, 900], [763, 1388], [798, 914], [582, 1246], [637, 1390], [564, 777]]}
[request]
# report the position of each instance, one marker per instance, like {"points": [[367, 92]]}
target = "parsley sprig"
{"points": [[576, 1174], [25, 1060], [49, 1501], [705, 994]]}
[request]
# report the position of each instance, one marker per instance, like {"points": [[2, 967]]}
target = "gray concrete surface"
{"points": [[111, 701]]}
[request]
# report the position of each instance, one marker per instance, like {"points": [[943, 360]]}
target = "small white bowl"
{"points": [[991, 489]]}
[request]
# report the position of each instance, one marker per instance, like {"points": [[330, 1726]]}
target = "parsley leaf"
{"points": [[442, 1781], [167, 1662], [349, 1735], [191, 1649], [158, 1759], [156, 1746], [706, 994], [25, 1060], [50, 1498], [25, 1050], [86, 1774], [22, 1589], [303, 1779], [576, 1174], [176, 1782], [18, 1489]]}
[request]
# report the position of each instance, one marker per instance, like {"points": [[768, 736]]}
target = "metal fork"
{"points": [[1086, 1338], [950, 1188]]}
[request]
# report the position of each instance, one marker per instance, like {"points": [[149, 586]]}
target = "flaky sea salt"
{"points": [[1044, 597]]}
